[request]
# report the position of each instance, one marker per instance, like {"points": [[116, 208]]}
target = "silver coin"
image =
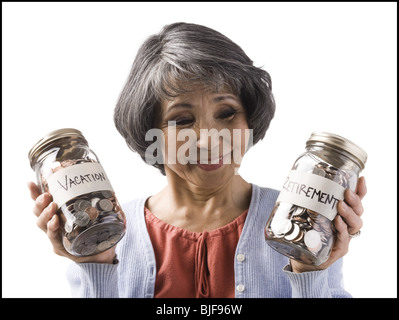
{"points": [[106, 205], [88, 248], [319, 171], [82, 218], [102, 246], [281, 226], [107, 194], [114, 238], [81, 205], [300, 219], [103, 235], [299, 211], [109, 218], [313, 241], [94, 202], [295, 232]]}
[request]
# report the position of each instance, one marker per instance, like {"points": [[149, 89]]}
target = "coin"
{"points": [[281, 226], [94, 201], [299, 219], [92, 212], [109, 218], [312, 240], [67, 163], [103, 235], [74, 233], [107, 194], [294, 234], [299, 211], [81, 205], [102, 246], [105, 205], [318, 171], [86, 249], [82, 218], [114, 238]]}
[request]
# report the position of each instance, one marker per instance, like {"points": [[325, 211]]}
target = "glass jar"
{"points": [[91, 218], [301, 223]]}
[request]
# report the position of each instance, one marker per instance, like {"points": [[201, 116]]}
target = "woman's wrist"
{"points": [[298, 267], [107, 257]]}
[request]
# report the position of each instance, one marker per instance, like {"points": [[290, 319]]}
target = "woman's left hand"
{"points": [[347, 223]]}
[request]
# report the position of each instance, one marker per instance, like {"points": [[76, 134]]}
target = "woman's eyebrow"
{"points": [[179, 105], [226, 97]]}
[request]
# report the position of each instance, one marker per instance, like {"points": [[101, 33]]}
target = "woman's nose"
{"points": [[208, 138]]}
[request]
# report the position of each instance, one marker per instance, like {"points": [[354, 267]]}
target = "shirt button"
{"points": [[240, 257], [240, 288]]}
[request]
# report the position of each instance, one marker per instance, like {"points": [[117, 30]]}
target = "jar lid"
{"points": [[50, 138], [339, 142]]}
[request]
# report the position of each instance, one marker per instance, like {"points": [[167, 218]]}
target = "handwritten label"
{"points": [[76, 180], [313, 192]]}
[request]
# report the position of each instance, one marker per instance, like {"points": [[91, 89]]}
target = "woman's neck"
{"points": [[196, 208]]}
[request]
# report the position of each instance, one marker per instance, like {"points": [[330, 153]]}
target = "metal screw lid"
{"points": [[339, 142], [50, 138]]}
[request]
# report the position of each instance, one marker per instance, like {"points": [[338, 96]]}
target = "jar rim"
{"points": [[340, 142], [50, 138]]}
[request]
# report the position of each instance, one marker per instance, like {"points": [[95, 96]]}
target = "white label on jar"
{"points": [[313, 192], [76, 180]]}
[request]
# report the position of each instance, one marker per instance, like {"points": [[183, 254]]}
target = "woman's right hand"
{"points": [[47, 220]]}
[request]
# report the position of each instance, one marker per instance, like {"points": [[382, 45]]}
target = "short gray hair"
{"points": [[189, 53]]}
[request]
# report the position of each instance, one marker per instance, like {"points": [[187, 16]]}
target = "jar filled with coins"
{"points": [[301, 223], [91, 218]]}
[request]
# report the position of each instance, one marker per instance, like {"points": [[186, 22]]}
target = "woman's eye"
{"points": [[227, 114], [183, 121]]}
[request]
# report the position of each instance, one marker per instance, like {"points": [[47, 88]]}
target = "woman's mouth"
{"points": [[211, 164]]}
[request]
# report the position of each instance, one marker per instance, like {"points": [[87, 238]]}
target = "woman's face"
{"points": [[206, 134]]}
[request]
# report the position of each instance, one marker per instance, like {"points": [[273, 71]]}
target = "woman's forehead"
{"points": [[188, 91]]}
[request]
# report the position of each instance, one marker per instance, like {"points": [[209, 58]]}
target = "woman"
{"points": [[205, 230]]}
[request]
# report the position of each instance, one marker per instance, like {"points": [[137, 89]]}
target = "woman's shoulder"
{"points": [[134, 206], [264, 195]]}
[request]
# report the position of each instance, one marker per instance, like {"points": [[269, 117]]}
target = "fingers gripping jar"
{"points": [[301, 223], [91, 218]]}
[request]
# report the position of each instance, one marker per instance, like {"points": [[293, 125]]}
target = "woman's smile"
{"points": [[211, 165]]}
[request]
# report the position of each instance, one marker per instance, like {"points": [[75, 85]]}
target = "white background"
{"points": [[333, 67]]}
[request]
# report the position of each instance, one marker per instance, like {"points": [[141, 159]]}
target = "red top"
{"points": [[194, 264]]}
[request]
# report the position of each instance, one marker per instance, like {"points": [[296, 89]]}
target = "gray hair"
{"points": [[182, 54]]}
